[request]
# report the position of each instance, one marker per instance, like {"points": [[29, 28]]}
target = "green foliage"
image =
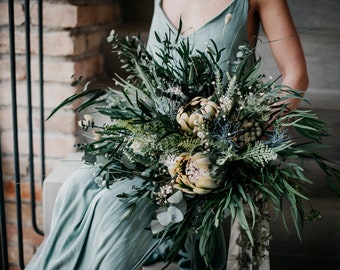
{"points": [[241, 131]]}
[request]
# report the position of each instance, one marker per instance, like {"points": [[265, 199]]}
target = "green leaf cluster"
{"points": [[142, 136]]}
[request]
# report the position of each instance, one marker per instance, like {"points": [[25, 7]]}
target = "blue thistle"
{"points": [[277, 137], [224, 131]]}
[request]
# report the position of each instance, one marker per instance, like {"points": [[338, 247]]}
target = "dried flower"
{"points": [[193, 115], [193, 174]]}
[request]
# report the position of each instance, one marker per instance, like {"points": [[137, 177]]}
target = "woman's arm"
{"points": [[285, 44]]}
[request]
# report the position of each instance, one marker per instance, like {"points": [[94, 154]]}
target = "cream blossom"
{"points": [[193, 173], [193, 115]]}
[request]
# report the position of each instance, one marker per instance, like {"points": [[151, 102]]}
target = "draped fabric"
{"points": [[88, 231]]}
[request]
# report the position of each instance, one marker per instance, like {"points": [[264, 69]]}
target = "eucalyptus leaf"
{"points": [[177, 197], [156, 227], [176, 214], [164, 218]]}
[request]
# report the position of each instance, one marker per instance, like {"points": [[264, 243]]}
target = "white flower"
{"points": [[225, 104], [111, 36], [177, 197], [170, 216]]}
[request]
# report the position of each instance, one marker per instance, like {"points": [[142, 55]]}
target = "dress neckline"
{"points": [[198, 29]]}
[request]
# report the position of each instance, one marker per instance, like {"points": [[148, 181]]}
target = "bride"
{"points": [[87, 231]]}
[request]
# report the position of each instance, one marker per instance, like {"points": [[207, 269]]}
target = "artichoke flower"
{"points": [[194, 114], [192, 173]]}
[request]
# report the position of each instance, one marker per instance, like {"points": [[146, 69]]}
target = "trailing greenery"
{"points": [[206, 143]]}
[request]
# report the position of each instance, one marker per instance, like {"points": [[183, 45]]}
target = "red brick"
{"points": [[69, 16], [5, 73], [6, 118], [55, 70], [72, 44], [59, 146], [19, 16], [64, 121], [8, 148], [25, 190], [89, 67], [95, 40], [54, 93], [56, 15], [4, 39], [108, 14], [11, 214], [50, 164], [29, 235], [99, 14], [20, 43], [28, 253], [63, 43], [8, 165], [56, 145], [6, 93], [11, 267], [13, 255], [62, 70], [67, 51]]}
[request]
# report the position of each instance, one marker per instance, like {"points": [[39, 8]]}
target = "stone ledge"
{"points": [[53, 182]]}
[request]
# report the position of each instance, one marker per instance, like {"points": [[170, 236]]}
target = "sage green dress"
{"points": [[87, 230]]}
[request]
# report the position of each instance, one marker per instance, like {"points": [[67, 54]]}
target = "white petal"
{"points": [[164, 218], [177, 197], [156, 227], [176, 214], [201, 191], [184, 125], [184, 188], [206, 183]]}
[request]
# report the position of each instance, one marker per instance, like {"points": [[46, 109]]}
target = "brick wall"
{"points": [[74, 32]]}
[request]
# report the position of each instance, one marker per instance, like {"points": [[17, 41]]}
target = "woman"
{"points": [[87, 230]]}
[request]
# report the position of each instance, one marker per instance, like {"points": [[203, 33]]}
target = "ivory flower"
{"points": [[194, 114], [193, 174]]}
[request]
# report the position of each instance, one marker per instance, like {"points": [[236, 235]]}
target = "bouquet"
{"points": [[206, 143]]}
